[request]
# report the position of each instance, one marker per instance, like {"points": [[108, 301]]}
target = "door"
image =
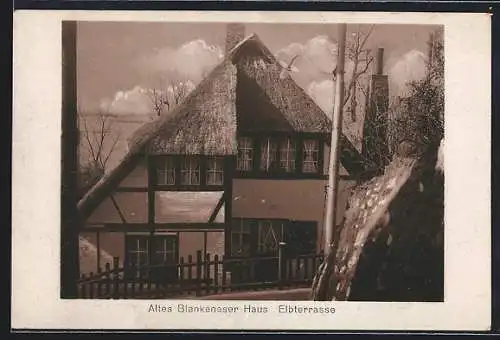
{"points": [[269, 236], [300, 239]]}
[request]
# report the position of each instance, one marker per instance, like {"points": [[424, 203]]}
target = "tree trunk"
{"points": [[390, 247]]}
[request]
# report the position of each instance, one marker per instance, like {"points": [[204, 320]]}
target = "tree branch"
{"points": [[112, 148], [89, 142]]}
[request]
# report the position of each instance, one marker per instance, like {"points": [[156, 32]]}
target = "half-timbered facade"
{"points": [[234, 170]]}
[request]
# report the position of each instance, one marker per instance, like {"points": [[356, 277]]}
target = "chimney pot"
{"points": [[380, 61]]}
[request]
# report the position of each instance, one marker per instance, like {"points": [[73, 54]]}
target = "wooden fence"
{"points": [[199, 276]]}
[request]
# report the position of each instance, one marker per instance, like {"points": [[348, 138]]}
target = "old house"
{"points": [[234, 170]]}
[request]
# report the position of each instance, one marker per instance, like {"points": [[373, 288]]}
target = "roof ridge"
{"points": [[241, 43]]}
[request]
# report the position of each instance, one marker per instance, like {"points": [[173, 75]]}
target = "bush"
{"points": [[419, 117]]}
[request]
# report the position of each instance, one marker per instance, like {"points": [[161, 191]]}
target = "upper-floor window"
{"points": [[279, 156], [244, 160], [268, 154], [190, 171], [310, 161], [288, 151], [166, 171], [215, 171]]}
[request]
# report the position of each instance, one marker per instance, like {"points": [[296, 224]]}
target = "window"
{"points": [[268, 154], [190, 171], [137, 254], [287, 155], [240, 238], [166, 171], [215, 171], [269, 237], [163, 251], [245, 154], [262, 237], [311, 156], [137, 250]]}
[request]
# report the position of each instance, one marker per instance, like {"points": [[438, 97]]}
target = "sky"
{"points": [[116, 59], [119, 62]]}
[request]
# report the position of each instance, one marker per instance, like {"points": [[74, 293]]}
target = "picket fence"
{"points": [[198, 276]]}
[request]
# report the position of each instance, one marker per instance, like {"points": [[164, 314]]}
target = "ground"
{"points": [[300, 294]]}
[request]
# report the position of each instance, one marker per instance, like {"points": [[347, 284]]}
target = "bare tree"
{"points": [[99, 137], [168, 94], [358, 55], [361, 59]]}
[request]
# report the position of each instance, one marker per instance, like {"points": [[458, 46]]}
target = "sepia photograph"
{"points": [[260, 161], [251, 170]]}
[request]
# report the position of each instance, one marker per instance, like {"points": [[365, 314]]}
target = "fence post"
{"points": [[83, 287], [190, 271], [99, 281], [198, 272], [306, 269], [281, 263], [116, 282], [207, 265], [107, 270], [131, 270], [91, 292], [216, 273], [224, 273], [181, 272]]}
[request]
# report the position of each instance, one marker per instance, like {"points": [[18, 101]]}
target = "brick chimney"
{"points": [[235, 32], [375, 148]]}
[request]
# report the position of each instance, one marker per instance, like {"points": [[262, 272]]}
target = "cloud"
{"points": [[410, 66], [318, 58], [322, 92], [401, 69], [134, 101], [137, 101], [192, 60]]}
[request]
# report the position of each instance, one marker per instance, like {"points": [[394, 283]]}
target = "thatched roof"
{"points": [[207, 121], [256, 99], [268, 102]]}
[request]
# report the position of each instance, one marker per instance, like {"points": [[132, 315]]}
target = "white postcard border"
{"points": [[36, 189]]}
